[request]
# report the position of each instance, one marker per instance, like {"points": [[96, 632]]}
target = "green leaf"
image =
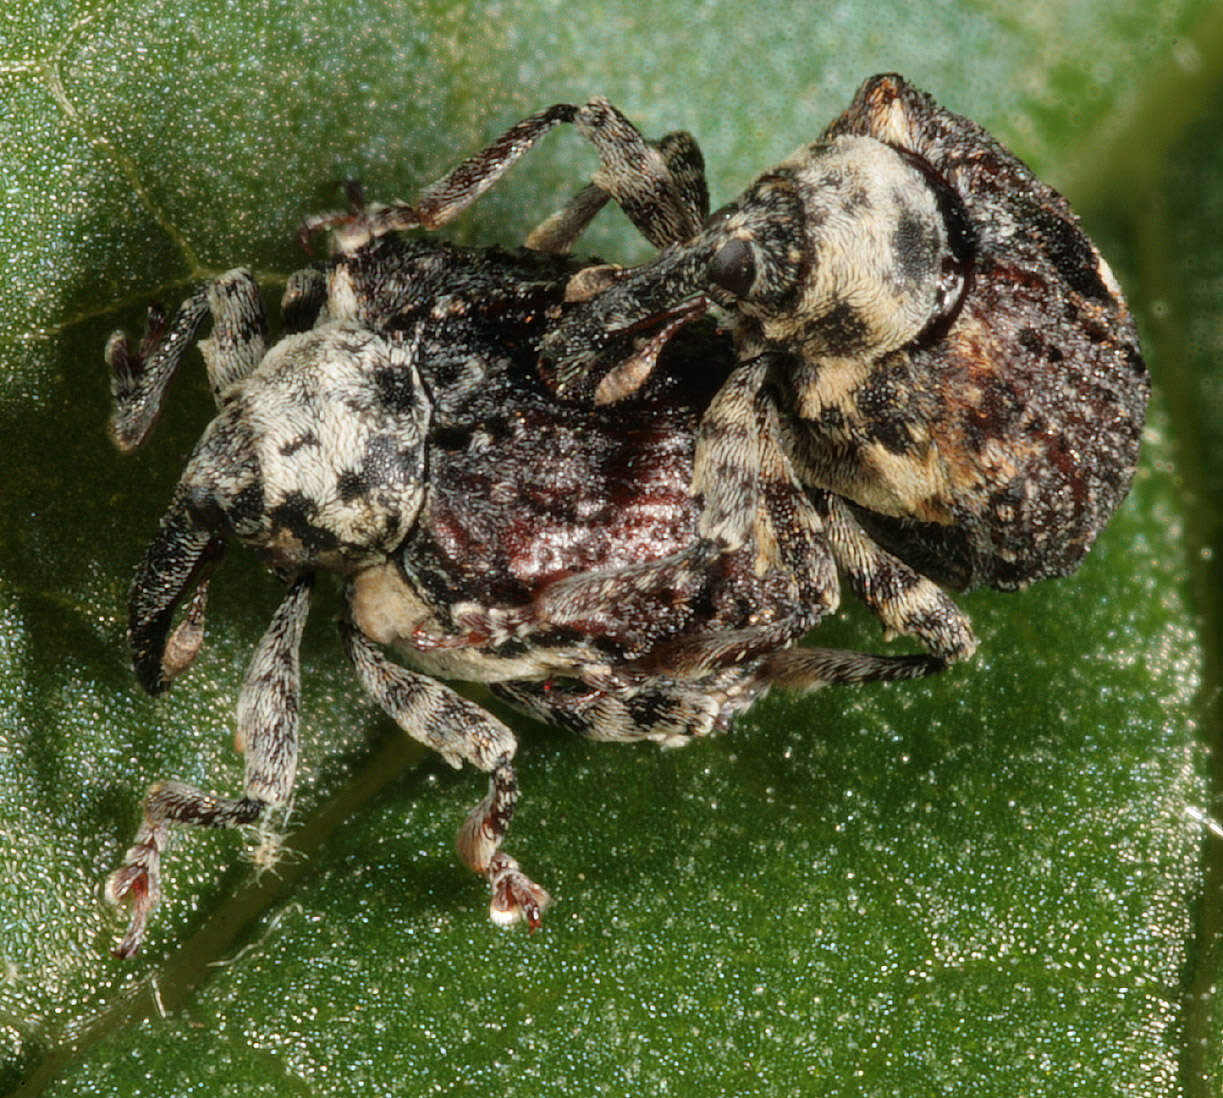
{"points": [[999, 881]]}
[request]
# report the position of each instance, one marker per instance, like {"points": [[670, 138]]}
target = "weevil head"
{"points": [[849, 249], [316, 461]]}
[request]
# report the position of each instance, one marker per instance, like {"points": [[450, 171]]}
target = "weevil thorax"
{"points": [[836, 260], [841, 252], [316, 460], [993, 446]]}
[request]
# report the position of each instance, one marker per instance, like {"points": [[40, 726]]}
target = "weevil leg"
{"points": [[790, 535], [557, 234], [515, 896], [902, 599], [668, 712], [693, 655], [753, 501], [672, 711], [140, 376], [139, 878], [668, 202], [627, 601], [268, 706], [443, 200], [807, 669], [727, 462], [239, 331], [458, 730], [266, 730], [686, 163], [660, 185], [785, 570], [740, 463], [626, 606]]}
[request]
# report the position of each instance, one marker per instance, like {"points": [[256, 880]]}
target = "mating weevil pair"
{"points": [[564, 480]]}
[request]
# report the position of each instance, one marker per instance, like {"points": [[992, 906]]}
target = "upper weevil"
{"points": [[955, 372]]}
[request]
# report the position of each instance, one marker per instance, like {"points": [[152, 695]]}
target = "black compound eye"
{"points": [[733, 267]]}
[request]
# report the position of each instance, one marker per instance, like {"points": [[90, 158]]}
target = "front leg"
{"points": [[140, 376], [266, 731], [458, 730], [730, 454], [442, 201], [660, 185], [665, 213]]}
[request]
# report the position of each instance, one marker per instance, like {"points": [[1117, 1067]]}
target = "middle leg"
{"points": [[458, 730]]}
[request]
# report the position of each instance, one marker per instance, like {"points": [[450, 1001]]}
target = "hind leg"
{"points": [[664, 711]]}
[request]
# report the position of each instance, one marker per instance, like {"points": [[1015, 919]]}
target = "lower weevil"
{"points": [[399, 437]]}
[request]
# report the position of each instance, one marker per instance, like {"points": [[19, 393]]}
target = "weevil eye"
{"points": [[756, 250], [733, 267]]}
